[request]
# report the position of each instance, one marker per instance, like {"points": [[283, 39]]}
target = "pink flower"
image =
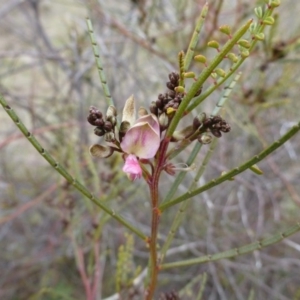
{"points": [[141, 140], [132, 167]]}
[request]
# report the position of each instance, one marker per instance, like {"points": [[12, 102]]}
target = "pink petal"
{"points": [[142, 139], [132, 168], [152, 120]]}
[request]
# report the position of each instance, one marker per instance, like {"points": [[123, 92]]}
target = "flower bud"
{"points": [[259, 12], [205, 138], [256, 170], [170, 85], [260, 36], [225, 29], [170, 110], [101, 151], [179, 89], [268, 21], [111, 111], [213, 75], [108, 126], [163, 120], [245, 53], [99, 131], [220, 72], [252, 27], [125, 125], [142, 112], [200, 58], [129, 110], [153, 108], [109, 137], [182, 134], [189, 75], [275, 3], [244, 44], [232, 57], [196, 123], [213, 44]]}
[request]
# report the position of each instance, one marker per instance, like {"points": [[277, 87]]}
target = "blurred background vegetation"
{"points": [[48, 75]]}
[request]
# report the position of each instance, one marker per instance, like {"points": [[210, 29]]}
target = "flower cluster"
{"points": [[139, 139]]}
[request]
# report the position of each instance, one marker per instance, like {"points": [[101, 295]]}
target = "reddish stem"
{"points": [[153, 185]]}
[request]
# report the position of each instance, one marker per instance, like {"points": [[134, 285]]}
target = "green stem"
{"points": [[62, 171], [232, 70], [258, 245], [181, 211], [194, 40], [234, 171], [204, 75], [99, 63]]}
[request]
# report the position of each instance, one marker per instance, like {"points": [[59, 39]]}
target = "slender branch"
{"points": [[99, 63], [232, 70], [194, 40], [258, 245], [62, 171], [204, 75], [234, 171], [181, 211]]}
